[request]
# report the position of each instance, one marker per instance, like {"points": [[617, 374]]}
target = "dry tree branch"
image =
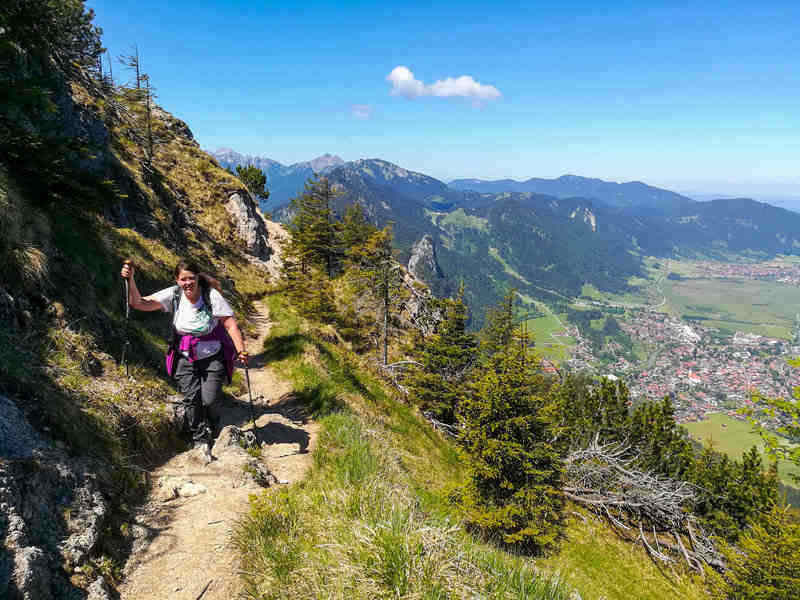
{"points": [[603, 477], [449, 430]]}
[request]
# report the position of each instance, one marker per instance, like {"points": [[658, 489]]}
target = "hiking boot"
{"points": [[204, 449]]}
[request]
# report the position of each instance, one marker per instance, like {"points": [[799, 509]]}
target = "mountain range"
{"points": [[283, 181], [633, 196], [547, 237]]}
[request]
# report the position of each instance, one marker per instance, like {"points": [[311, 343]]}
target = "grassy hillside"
{"points": [[375, 518], [79, 193]]}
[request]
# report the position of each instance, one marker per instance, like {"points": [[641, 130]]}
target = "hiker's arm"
{"points": [[232, 327], [135, 299]]}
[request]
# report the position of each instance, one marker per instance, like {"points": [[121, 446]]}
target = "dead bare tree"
{"points": [[148, 115], [604, 478], [132, 62]]}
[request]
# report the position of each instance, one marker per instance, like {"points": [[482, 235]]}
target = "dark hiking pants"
{"points": [[200, 384]]}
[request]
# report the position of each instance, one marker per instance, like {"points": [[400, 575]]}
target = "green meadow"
{"points": [[734, 437], [542, 328], [761, 307]]}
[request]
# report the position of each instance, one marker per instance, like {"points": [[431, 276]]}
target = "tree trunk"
{"points": [[385, 330], [138, 78], [149, 126]]}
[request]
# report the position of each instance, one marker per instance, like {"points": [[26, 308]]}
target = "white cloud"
{"points": [[361, 111], [405, 84]]}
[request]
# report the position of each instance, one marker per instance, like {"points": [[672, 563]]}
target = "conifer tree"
{"points": [[445, 358], [380, 275], [355, 229], [316, 302], [132, 62], [499, 328], [731, 493], [509, 434], [254, 180], [663, 446], [587, 410], [765, 563], [315, 238]]}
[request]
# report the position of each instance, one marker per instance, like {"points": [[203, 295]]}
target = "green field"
{"points": [[639, 295], [542, 329], [734, 437], [761, 307]]}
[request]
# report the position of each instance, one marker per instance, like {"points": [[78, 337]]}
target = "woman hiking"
{"points": [[204, 343]]}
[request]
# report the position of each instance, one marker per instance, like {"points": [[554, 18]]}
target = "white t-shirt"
{"points": [[195, 319]]}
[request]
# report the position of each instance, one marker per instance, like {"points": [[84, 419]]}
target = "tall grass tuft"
{"points": [[354, 529], [24, 231]]}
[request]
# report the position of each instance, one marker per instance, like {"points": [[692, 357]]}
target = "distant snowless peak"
{"points": [[325, 161]]}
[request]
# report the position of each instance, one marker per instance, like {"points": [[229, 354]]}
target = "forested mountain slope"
{"points": [[634, 197], [551, 245]]}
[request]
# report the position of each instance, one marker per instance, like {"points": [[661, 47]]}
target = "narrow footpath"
{"points": [[183, 545]]}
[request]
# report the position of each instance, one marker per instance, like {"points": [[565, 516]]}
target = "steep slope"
{"points": [[91, 174], [378, 515]]}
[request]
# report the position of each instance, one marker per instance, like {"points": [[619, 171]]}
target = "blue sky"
{"points": [[696, 96]]}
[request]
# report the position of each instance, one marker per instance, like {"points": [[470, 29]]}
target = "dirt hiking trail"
{"points": [[183, 533]]}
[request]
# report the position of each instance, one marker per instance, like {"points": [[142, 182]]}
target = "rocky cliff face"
{"points": [[249, 224], [52, 513], [72, 441], [422, 263]]}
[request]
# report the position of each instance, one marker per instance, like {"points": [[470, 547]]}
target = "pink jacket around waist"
{"points": [[187, 346]]}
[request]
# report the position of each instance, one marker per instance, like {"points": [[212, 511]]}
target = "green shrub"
{"points": [[765, 563]]}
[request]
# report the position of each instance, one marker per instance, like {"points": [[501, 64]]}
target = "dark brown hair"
{"points": [[186, 265], [190, 265]]}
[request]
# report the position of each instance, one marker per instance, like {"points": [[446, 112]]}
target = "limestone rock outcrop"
{"points": [[249, 224], [51, 512], [422, 263]]}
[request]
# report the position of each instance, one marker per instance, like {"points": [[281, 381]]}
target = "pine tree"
{"points": [[315, 238], [355, 229], [317, 302], [378, 274], [765, 563], [131, 61], [499, 328], [445, 358], [514, 461], [254, 180], [662, 445], [587, 410]]}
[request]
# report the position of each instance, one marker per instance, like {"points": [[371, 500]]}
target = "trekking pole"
{"points": [[126, 286], [250, 393]]}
